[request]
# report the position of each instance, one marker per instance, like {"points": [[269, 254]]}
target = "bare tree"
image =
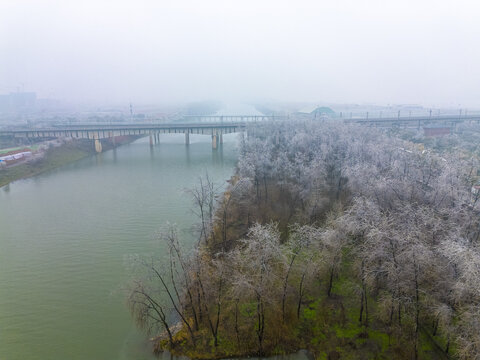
{"points": [[204, 195], [256, 261], [166, 282], [237, 195], [149, 312], [299, 246]]}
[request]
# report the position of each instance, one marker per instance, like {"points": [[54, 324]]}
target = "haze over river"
{"points": [[66, 237]]}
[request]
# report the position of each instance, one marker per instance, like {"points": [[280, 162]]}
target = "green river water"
{"points": [[66, 238]]}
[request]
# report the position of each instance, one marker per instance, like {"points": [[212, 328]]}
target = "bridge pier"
{"points": [[187, 137], [221, 138], [97, 143], [151, 139], [215, 141]]}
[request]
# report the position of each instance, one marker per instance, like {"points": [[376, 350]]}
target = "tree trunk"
{"points": [[300, 295], [236, 321], [330, 283], [392, 310], [224, 232], [285, 284], [265, 186], [435, 326], [399, 314], [366, 304], [176, 248], [213, 329], [417, 309], [261, 324], [199, 302], [219, 304], [361, 309], [174, 304]]}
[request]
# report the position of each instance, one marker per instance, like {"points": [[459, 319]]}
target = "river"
{"points": [[66, 238]]}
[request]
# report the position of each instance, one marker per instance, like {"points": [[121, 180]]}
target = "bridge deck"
{"points": [[217, 127], [91, 131], [110, 127]]}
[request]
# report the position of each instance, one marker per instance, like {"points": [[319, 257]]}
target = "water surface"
{"points": [[66, 236]]}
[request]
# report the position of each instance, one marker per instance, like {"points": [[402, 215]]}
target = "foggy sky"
{"points": [[159, 51]]}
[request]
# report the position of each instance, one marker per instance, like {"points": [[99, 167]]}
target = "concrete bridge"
{"points": [[98, 132], [218, 125]]}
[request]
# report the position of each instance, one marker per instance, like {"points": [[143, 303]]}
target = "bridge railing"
{"points": [[405, 114], [414, 119]]}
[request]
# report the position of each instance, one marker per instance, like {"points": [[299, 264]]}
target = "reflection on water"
{"points": [[152, 153]]}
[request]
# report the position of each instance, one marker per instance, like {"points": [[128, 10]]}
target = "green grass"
{"points": [[328, 327], [31, 147], [4, 151]]}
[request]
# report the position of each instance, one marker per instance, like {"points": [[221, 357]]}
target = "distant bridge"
{"points": [[218, 125], [214, 125], [97, 132], [450, 120]]}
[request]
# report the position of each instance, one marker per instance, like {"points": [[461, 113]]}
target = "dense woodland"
{"points": [[351, 242]]}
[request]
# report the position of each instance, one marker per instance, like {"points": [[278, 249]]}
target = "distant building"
{"points": [[4, 102], [324, 111], [317, 111], [437, 131], [18, 102]]}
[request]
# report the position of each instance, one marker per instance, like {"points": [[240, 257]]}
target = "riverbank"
{"points": [[54, 157]]}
